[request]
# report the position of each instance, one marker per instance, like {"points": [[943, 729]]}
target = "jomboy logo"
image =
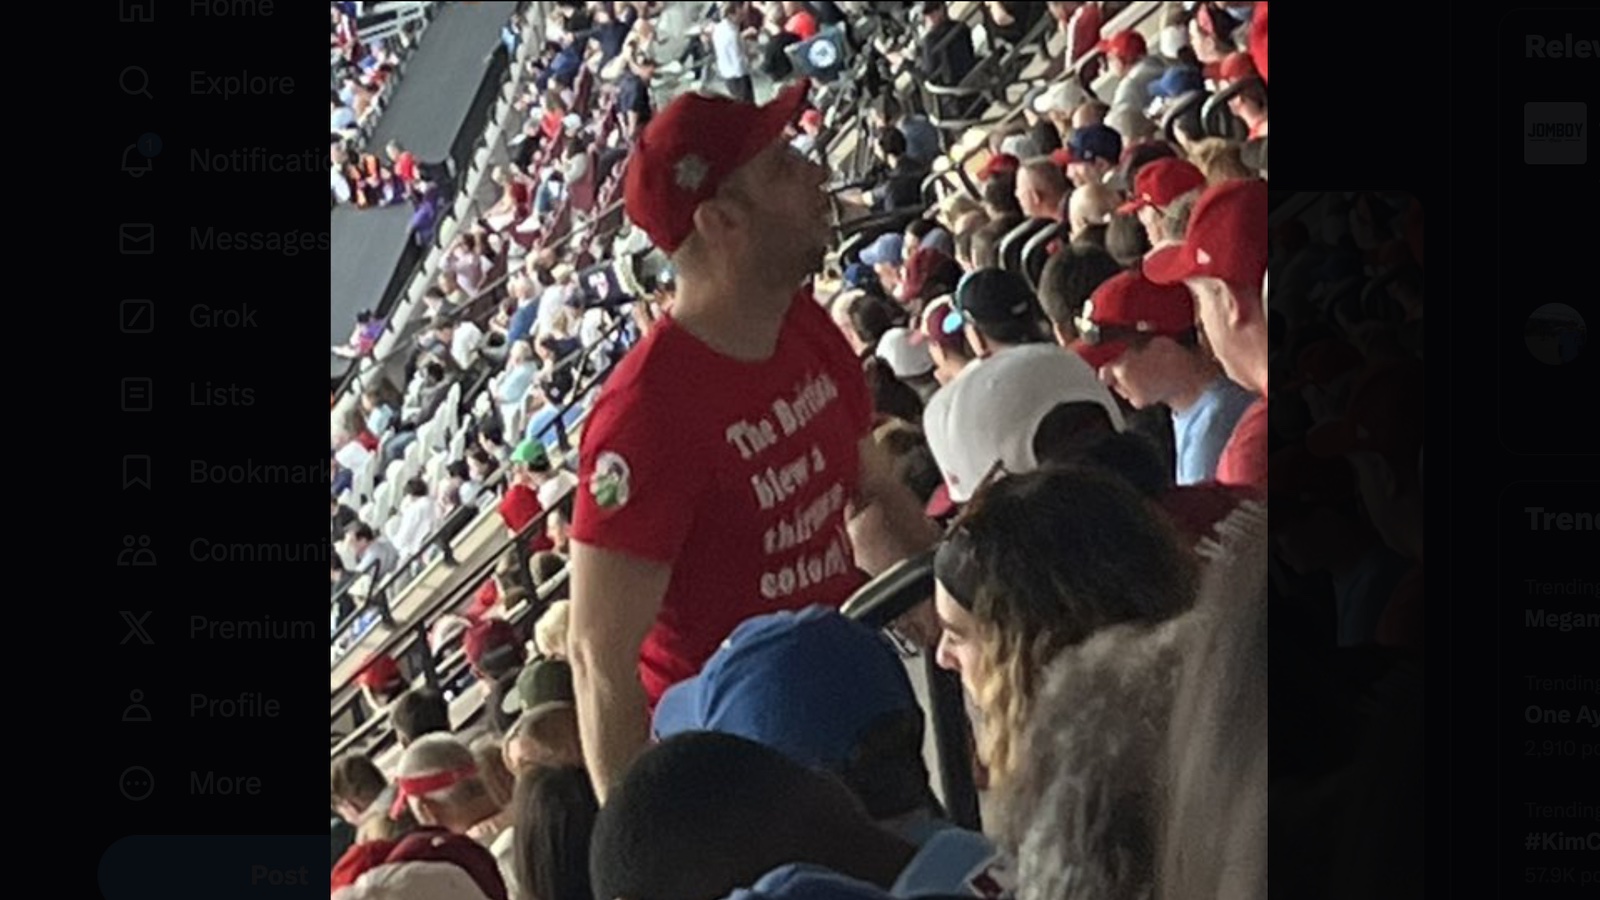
{"points": [[1555, 134]]}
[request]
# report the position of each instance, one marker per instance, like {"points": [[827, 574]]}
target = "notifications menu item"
{"points": [[1545, 175], [1549, 709]]}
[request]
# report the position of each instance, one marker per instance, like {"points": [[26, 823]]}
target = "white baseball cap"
{"points": [[906, 358], [995, 406], [1063, 96]]}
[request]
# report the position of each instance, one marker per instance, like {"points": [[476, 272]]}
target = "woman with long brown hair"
{"points": [[1037, 564]]}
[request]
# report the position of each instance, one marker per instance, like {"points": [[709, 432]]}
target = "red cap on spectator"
{"points": [[1124, 45], [1227, 238], [358, 859], [1384, 416], [1237, 67], [812, 117], [689, 149], [1161, 182], [1258, 38], [379, 672], [437, 845], [939, 321], [1128, 301], [492, 645], [1000, 162], [928, 265]]}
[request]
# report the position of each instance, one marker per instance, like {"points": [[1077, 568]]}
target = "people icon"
{"points": [[136, 711], [140, 555]]}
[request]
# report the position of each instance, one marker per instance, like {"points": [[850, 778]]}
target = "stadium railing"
{"points": [[376, 607], [477, 132], [402, 643]]}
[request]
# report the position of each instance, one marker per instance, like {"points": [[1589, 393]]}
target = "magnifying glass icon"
{"points": [[135, 80]]}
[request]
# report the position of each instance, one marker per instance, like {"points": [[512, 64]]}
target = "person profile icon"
{"points": [[136, 711], [141, 555]]}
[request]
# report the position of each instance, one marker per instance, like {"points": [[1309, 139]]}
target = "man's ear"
{"points": [[979, 345], [713, 219], [1063, 336]]}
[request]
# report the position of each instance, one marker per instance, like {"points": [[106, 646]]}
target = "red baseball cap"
{"points": [[1258, 38], [1236, 67], [1385, 415], [939, 320], [1162, 181], [1125, 45], [812, 116], [1323, 362], [1130, 302], [928, 265], [1226, 239], [1000, 162], [690, 148], [379, 672], [492, 641]]}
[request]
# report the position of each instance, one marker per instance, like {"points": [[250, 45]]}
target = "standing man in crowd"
{"points": [[732, 65], [728, 468], [1223, 260]]}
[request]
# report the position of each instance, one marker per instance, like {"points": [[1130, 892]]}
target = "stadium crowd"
{"points": [[1039, 361]]}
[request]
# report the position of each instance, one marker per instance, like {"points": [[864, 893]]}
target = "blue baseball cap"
{"points": [[1177, 81], [804, 881], [1092, 142], [807, 683], [859, 275], [886, 249]]}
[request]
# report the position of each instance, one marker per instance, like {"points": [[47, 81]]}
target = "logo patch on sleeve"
{"points": [[609, 482]]}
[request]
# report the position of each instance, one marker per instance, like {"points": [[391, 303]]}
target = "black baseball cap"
{"points": [[1000, 304]]}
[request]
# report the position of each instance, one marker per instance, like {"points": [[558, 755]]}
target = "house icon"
{"points": [[136, 11]]}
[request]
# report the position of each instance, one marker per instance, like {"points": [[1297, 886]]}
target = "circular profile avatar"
{"points": [[1555, 334]]}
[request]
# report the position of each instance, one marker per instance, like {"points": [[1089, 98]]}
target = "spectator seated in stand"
{"points": [[702, 813]]}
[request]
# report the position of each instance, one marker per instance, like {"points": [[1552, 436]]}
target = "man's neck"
{"points": [[1200, 375], [732, 322], [480, 813]]}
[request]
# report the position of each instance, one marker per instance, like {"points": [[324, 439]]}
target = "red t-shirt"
{"points": [[1086, 24], [736, 474], [405, 166], [520, 506], [483, 601], [551, 124], [1244, 459]]}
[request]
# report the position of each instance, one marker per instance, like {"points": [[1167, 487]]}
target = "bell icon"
{"points": [[135, 163]]}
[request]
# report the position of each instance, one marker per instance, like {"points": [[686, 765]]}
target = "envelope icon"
{"points": [[137, 239]]}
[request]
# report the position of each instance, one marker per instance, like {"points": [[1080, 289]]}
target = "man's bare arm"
{"points": [[615, 599], [889, 526]]}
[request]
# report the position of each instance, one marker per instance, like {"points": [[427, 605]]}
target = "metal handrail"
{"points": [[405, 640], [440, 538]]}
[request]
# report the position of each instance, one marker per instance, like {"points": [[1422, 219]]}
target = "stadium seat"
{"points": [[1036, 252], [1011, 246]]}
